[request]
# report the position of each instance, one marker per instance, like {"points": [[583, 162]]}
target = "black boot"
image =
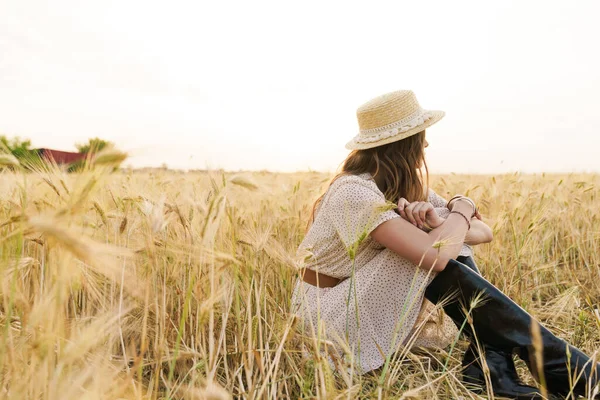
{"points": [[503, 374], [501, 324], [469, 262]]}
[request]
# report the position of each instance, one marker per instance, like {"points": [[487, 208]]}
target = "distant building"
{"points": [[60, 157]]}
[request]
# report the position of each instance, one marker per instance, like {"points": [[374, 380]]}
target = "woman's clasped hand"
{"points": [[423, 214], [419, 213]]}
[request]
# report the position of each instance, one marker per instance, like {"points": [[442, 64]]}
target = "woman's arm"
{"points": [[479, 233], [430, 250]]}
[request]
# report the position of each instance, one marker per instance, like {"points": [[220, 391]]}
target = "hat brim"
{"points": [[435, 117]]}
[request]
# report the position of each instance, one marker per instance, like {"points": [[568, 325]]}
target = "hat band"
{"points": [[393, 129]]}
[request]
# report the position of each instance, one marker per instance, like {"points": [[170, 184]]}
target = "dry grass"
{"points": [[168, 285]]}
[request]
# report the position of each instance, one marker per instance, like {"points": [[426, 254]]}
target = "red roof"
{"points": [[61, 157]]}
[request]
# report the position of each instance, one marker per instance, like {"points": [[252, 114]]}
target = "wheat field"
{"points": [[168, 285]]}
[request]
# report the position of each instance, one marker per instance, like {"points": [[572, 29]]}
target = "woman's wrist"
{"points": [[451, 204], [464, 216], [465, 206]]}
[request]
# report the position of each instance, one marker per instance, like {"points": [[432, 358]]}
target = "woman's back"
{"points": [[377, 308], [338, 241], [350, 210]]}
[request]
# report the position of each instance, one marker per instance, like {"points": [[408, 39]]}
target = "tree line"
{"points": [[22, 150]]}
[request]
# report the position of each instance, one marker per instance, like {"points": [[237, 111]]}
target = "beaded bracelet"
{"points": [[464, 216]]}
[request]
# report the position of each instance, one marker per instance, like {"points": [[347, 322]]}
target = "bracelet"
{"points": [[472, 203], [459, 197], [464, 216]]}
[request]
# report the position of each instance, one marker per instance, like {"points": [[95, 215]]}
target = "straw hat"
{"points": [[391, 117]]}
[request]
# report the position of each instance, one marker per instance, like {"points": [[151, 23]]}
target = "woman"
{"points": [[368, 267]]}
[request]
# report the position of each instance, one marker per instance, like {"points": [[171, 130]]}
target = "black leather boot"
{"points": [[503, 374], [501, 324]]}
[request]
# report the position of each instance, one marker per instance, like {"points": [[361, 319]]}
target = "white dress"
{"points": [[374, 311]]}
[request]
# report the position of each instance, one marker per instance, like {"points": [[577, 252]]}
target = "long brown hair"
{"points": [[397, 169]]}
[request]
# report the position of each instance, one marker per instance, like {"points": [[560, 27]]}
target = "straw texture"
{"points": [[389, 118]]}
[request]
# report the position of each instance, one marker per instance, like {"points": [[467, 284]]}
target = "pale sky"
{"points": [[275, 85]]}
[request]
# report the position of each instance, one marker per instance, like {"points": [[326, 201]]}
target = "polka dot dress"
{"points": [[379, 306]]}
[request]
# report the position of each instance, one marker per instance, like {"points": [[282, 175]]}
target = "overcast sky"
{"points": [[275, 85]]}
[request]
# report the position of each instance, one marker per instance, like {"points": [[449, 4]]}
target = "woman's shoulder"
{"points": [[358, 187], [360, 180]]}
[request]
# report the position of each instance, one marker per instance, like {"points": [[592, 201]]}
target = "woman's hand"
{"points": [[419, 213]]}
